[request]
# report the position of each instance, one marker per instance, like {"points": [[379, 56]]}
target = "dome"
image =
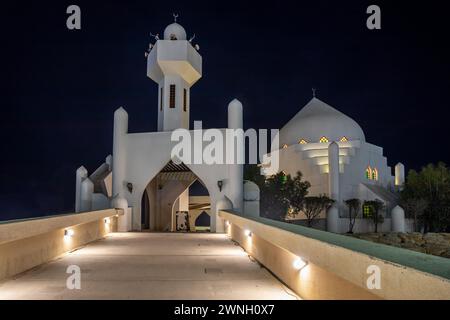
{"points": [[224, 204], [251, 191], [174, 31], [318, 120]]}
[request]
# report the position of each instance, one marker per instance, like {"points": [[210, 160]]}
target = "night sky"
{"points": [[59, 88]]}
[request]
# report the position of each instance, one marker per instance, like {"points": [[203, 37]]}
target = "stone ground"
{"points": [[152, 266], [437, 244]]}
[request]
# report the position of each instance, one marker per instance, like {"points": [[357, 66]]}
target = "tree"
{"points": [[296, 190], [376, 206], [280, 193], [354, 205], [313, 206], [253, 173], [415, 208], [432, 184], [274, 201]]}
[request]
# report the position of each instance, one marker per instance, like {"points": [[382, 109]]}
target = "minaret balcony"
{"points": [[174, 57]]}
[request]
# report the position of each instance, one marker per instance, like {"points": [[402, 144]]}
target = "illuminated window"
{"points": [[369, 173], [302, 141], [344, 139], [172, 96], [323, 140], [375, 174], [285, 146], [367, 211], [184, 100]]}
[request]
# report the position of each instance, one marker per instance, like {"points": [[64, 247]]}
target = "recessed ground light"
{"points": [[68, 233], [299, 264]]}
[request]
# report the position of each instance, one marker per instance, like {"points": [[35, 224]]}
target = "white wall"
{"points": [[359, 155], [148, 153]]}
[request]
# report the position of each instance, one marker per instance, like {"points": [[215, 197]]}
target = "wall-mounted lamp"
{"points": [[107, 220], [227, 223], [299, 264], [68, 233], [130, 187], [220, 185], [248, 233]]}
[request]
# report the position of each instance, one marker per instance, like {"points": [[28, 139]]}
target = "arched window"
{"points": [[302, 141], [367, 211], [344, 139], [375, 174], [323, 140], [369, 173], [285, 146]]}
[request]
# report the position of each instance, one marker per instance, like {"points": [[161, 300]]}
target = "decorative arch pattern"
{"points": [[372, 173], [375, 174], [369, 173]]}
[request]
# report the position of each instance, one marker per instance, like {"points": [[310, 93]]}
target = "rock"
{"points": [[392, 238], [446, 236], [433, 237], [413, 247], [403, 236], [437, 244], [436, 250]]}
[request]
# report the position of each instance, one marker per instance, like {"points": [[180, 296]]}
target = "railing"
{"points": [[27, 243], [322, 265]]}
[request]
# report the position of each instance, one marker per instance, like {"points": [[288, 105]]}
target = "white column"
{"points": [[108, 161], [333, 187], [124, 221], [236, 171], [399, 175], [119, 166], [222, 204], [398, 219], [81, 174], [87, 189]]}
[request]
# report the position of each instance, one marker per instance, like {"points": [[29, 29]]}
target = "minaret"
{"points": [[175, 65]]}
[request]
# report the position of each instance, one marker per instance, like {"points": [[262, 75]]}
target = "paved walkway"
{"points": [[152, 266]]}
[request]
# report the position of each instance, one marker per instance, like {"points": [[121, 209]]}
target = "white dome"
{"points": [[174, 31], [224, 204], [251, 191], [316, 120]]}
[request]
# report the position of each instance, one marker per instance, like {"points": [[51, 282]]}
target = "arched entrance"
{"points": [[203, 222], [167, 205]]}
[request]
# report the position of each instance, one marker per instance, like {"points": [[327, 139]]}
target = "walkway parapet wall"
{"points": [[25, 244], [337, 266]]}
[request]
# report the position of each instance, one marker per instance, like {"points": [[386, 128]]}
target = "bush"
{"points": [[426, 197]]}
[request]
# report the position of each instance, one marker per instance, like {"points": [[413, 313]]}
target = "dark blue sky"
{"points": [[60, 88]]}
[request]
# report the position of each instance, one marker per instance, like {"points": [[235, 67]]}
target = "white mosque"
{"points": [[330, 150], [328, 147]]}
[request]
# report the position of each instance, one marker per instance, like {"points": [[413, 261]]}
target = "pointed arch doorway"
{"points": [[167, 205]]}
